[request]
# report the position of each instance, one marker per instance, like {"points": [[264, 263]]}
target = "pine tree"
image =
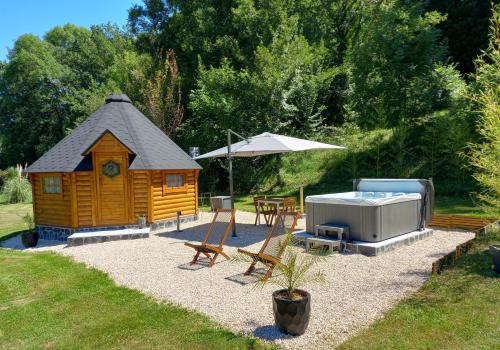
{"points": [[485, 155]]}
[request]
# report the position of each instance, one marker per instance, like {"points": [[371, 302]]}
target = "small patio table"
{"points": [[274, 201]]}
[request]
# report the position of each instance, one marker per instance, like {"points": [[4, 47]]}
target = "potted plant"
{"points": [[291, 303], [141, 220], [29, 238]]}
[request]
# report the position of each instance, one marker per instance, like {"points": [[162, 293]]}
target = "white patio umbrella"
{"points": [[263, 144], [267, 143]]}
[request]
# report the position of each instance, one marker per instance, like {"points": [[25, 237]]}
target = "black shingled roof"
{"points": [[152, 148]]}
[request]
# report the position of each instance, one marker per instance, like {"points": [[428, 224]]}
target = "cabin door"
{"points": [[111, 188]]}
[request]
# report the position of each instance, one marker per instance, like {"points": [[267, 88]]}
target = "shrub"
{"points": [[8, 173], [485, 155], [16, 189]]}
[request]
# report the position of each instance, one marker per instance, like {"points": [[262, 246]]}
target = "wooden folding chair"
{"points": [[267, 210], [215, 237], [256, 205], [289, 204], [275, 243]]}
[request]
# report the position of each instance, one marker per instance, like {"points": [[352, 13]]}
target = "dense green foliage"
{"points": [[485, 156], [374, 76], [393, 66], [465, 29], [48, 86]]}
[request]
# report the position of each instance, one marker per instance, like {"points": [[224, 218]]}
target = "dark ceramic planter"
{"points": [[29, 239], [495, 253], [292, 316]]}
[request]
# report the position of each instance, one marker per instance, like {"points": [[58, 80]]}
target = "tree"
{"points": [[485, 155], [163, 100], [33, 108], [50, 85], [465, 29], [209, 32], [195, 30], [392, 65], [279, 93]]}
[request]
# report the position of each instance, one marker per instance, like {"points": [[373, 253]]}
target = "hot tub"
{"points": [[376, 211]]}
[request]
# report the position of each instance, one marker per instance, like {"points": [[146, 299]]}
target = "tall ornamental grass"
{"points": [[16, 187]]}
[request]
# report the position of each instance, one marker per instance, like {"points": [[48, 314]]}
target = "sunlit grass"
{"points": [[48, 301], [11, 218], [458, 309]]}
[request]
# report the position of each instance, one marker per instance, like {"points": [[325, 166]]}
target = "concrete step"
{"points": [[80, 238], [373, 249]]}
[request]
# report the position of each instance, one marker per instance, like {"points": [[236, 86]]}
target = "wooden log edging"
{"points": [[450, 258], [461, 249]]}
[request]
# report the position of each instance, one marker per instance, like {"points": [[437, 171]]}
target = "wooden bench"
{"points": [[459, 221]]}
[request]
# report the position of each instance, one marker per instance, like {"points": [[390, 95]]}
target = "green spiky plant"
{"points": [[29, 238], [29, 221], [293, 272]]}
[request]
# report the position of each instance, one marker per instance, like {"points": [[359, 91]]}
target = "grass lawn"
{"points": [[48, 301], [458, 206], [459, 309], [444, 205], [11, 218]]}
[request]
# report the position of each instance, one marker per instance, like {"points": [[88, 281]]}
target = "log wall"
{"points": [[139, 194], [166, 205], [52, 209], [85, 203]]}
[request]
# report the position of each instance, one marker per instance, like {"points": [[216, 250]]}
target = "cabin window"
{"points": [[174, 183], [52, 184]]}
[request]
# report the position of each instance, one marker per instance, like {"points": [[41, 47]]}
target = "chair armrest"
{"points": [[246, 252], [192, 245], [269, 258]]}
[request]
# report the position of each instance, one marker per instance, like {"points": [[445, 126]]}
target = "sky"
{"points": [[36, 17]]}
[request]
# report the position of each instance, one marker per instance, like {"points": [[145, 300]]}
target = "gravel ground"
{"points": [[358, 289]]}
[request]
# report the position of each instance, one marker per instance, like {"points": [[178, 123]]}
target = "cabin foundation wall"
{"points": [[160, 226], [56, 233]]}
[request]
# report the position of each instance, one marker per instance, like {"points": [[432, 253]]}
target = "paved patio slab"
{"points": [[90, 237]]}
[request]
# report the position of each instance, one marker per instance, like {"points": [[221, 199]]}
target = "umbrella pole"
{"points": [[231, 190]]}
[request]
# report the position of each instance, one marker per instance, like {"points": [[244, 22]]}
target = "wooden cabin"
{"points": [[117, 165]]}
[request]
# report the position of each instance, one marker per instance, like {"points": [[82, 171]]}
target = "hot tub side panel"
{"points": [[399, 218], [357, 217], [310, 217], [366, 223]]}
